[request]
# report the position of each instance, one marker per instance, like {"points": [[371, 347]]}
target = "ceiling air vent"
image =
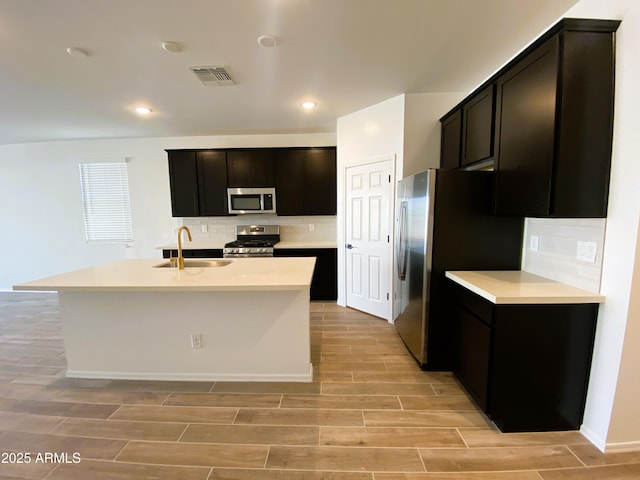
{"points": [[212, 76]]}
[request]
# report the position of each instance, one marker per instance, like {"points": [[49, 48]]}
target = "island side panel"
{"points": [[246, 335]]}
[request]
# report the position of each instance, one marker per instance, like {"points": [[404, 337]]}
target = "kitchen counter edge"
{"points": [[504, 287], [139, 275]]}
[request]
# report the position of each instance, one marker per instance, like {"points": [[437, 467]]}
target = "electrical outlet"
{"points": [[586, 251], [203, 228], [196, 340], [312, 227], [533, 243]]}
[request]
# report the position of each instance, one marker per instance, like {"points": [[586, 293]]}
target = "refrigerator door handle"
{"points": [[401, 257]]}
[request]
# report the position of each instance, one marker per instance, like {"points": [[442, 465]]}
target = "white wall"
{"points": [[422, 112], [623, 430], [364, 136], [41, 209], [612, 417], [406, 127]]}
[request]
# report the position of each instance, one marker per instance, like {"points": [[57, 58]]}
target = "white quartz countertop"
{"points": [[517, 287], [290, 273]]}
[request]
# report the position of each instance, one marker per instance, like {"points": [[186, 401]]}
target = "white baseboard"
{"points": [[192, 377], [622, 447], [3, 290], [590, 435], [605, 447]]}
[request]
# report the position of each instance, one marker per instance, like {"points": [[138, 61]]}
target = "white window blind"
{"points": [[105, 200]]}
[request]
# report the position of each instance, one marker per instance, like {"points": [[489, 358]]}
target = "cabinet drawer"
{"points": [[475, 304]]}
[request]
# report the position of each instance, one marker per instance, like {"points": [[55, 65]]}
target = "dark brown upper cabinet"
{"points": [[450, 141], [554, 125], [212, 183], [198, 181], [304, 178], [478, 127], [250, 168], [306, 181], [551, 124], [183, 181], [526, 122]]}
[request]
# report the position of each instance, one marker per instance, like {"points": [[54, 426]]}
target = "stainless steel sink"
{"points": [[195, 264]]}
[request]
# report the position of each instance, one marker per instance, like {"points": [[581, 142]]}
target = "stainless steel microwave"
{"points": [[251, 200]]}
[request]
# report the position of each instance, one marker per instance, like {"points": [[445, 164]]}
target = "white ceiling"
{"points": [[345, 54]]}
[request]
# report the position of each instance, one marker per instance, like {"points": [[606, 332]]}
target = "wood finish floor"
{"points": [[370, 414]]}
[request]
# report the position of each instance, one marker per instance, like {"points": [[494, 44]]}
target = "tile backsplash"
{"points": [[551, 246], [292, 229], [568, 250]]}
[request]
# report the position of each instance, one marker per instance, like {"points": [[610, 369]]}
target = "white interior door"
{"points": [[369, 235]]}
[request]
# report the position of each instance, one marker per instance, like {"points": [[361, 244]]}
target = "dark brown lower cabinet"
{"points": [[324, 284], [196, 253], [473, 351], [526, 365]]}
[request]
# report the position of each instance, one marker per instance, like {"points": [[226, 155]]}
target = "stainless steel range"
{"points": [[253, 241]]}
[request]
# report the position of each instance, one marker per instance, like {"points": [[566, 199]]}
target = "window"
{"points": [[105, 201]]}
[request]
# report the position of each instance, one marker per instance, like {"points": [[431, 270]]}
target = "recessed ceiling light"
{"points": [[143, 110], [267, 41], [173, 47], [77, 52], [308, 104]]}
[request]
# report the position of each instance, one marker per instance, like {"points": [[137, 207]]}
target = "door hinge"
{"points": [[387, 295], [389, 178], [388, 239]]}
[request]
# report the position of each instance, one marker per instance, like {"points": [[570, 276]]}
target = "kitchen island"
{"points": [[245, 321]]}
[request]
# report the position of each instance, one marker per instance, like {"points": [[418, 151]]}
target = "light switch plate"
{"points": [[533, 243], [196, 340], [586, 251], [203, 228]]}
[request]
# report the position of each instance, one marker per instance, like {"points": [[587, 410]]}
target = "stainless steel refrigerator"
{"points": [[444, 222]]}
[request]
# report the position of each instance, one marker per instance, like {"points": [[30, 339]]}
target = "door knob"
{"points": [[349, 246]]}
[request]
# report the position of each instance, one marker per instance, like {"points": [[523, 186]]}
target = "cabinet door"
{"points": [[540, 366], [306, 181], [183, 179], [325, 275], [525, 121], [290, 181], [250, 168], [450, 134], [477, 127], [212, 182], [320, 184], [324, 284], [472, 351], [583, 147]]}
